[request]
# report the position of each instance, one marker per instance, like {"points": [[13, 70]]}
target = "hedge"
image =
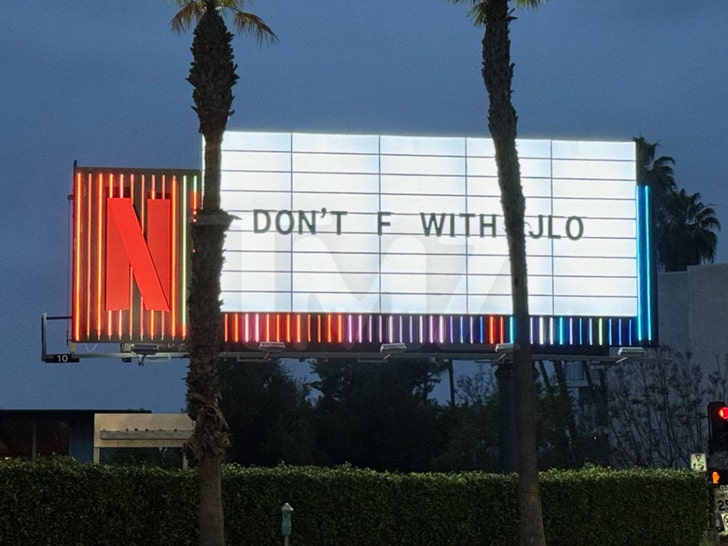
{"points": [[58, 501]]}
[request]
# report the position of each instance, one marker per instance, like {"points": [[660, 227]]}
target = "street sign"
{"points": [[697, 462], [720, 498], [60, 358]]}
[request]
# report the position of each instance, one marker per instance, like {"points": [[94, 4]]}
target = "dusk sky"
{"points": [[103, 83]]}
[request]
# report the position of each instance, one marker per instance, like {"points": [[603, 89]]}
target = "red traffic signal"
{"points": [[718, 476], [717, 426]]}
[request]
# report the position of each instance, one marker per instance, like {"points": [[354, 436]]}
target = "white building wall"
{"points": [[693, 312]]}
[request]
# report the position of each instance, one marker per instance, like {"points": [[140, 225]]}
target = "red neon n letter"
{"points": [[126, 247]]}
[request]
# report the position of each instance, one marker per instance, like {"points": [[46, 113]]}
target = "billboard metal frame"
{"points": [[107, 201]]}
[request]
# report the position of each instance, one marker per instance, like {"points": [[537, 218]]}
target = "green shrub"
{"points": [[58, 501]]}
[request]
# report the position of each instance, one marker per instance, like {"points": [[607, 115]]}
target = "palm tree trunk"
{"points": [[212, 76], [213, 159], [209, 440], [211, 521], [507, 433], [566, 401], [502, 121]]}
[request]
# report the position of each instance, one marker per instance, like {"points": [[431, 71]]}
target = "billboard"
{"points": [[359, 240], [130, 249], [348, 242]]}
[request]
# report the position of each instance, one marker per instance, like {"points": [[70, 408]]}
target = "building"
{"points": [[82, 434], [693, 312]]}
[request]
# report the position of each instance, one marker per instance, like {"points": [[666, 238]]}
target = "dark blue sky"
{"points": [[103, 83]]}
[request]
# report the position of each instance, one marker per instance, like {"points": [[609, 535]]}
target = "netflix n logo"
{"points": [[129, 254]]}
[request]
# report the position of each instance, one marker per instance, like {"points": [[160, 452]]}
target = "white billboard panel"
{"points": [[408, 225]]}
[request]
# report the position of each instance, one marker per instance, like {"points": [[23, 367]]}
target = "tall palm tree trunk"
{"points": [[209, 440], [212, 76], [502, 121]]}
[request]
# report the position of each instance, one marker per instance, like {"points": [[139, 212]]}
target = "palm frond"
{"points": [[192, 10], [477, 8], [531, 4], [248, 22]]}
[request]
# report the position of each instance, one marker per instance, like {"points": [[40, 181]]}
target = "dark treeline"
{"points": [[382, 415]]}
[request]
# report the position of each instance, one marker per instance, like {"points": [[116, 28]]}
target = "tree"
{"points": [[472, 425], [497, 72], [376, 414], [688, 236], [558, 434], [268, 412], [684, 227], [657, 410], [655, 172], [212, 76]]}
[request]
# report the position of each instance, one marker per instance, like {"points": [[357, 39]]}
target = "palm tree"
{"points": [[657, 173], [212, 76], [684, 227], [497, 72], [688, 236]]}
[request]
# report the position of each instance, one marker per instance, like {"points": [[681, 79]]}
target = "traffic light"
{"points": [[718, 476], [717, 427]]}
